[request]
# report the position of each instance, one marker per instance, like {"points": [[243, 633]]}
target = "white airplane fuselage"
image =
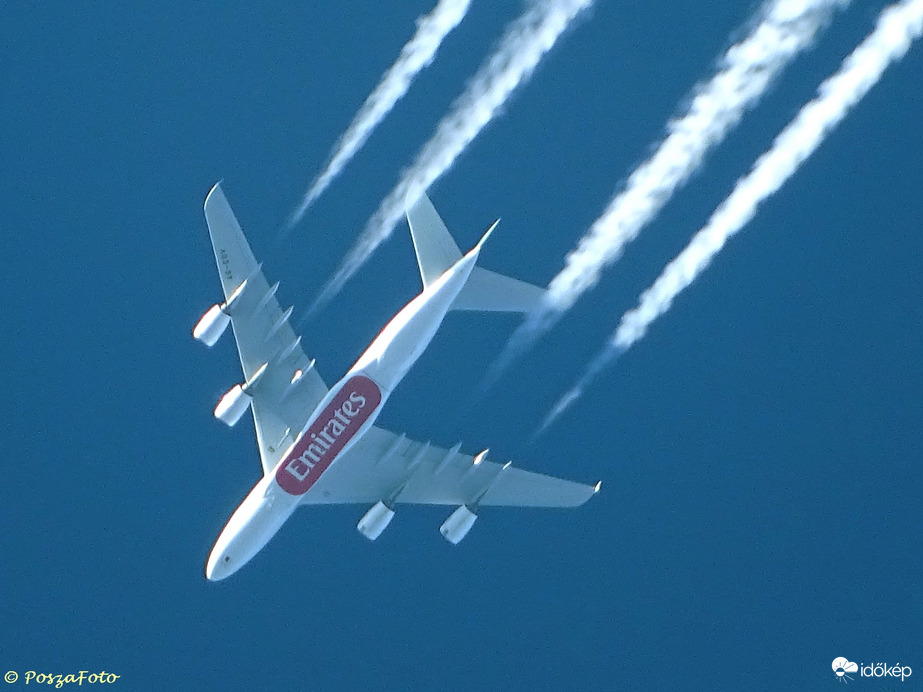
{"points": [[341, 418]]}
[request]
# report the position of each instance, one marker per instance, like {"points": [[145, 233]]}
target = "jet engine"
{"points": [[236, 400], [375, 520], [232, 405], [457, 526], [212, 325]]}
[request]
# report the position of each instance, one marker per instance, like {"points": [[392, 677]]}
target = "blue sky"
{"points": [[759, 449]]}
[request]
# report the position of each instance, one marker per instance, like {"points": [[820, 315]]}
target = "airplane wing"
{"points": [[288, 389], [389, 467]]}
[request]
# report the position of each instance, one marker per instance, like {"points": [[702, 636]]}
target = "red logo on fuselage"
{"points": [[328, 434]]}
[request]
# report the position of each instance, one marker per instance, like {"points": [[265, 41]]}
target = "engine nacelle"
{"points": [[232, 405], [212, 325], [457, 526], [375, 520]]}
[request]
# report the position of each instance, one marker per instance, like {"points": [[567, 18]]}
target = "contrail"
{"points": [[747, 69], [418, 53], [523, 45], [897, 27]]}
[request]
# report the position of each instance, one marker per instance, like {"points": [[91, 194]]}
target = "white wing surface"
{"points": [[289, 388], [388, 467]]}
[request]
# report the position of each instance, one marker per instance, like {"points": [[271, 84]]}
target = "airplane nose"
{"points": [[217, 567]]}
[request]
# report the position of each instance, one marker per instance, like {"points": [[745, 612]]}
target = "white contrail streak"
{"points": [[418, 53], [897, 27], [523, 45], [747, 69]]}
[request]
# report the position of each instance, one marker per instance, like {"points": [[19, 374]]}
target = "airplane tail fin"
{"points": [[437, 251]]}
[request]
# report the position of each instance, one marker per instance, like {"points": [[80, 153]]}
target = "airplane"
{"points": [[320, 445]]}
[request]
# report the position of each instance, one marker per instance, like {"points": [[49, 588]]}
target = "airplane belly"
{"points": [[263, 525], [404, 339]]}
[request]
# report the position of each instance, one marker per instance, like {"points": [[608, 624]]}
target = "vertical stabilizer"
{"points": [[435, 248]]}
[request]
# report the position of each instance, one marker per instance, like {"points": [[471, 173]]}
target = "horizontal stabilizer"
{"points": [[435, 248], [492, 292]]}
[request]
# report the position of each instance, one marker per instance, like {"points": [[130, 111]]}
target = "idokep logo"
{"points": [[842, 666]]}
